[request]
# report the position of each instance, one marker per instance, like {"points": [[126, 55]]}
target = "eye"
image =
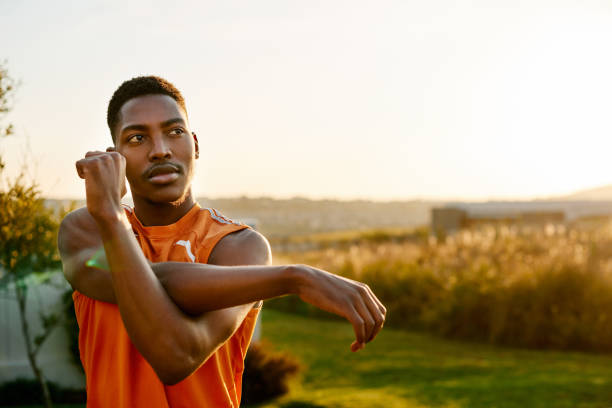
{"points": [[177, 132], [135, 139]]}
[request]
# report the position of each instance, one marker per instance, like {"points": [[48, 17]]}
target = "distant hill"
{"points": [[603, 193], [281, 218], [300, 216]]}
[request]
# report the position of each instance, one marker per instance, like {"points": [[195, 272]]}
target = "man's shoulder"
{"points": [[78, 217], [245, 246], [241, 238], [77, 225], [81, 219]]}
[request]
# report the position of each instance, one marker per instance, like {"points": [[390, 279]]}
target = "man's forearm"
{"points": [[146, 309], [198, 288]]}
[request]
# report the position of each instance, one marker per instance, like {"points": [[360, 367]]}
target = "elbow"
{"points": [[171, 377], [173, 372], [177, 363]]}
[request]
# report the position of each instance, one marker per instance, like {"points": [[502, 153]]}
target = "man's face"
{"points": [[159, 150]]}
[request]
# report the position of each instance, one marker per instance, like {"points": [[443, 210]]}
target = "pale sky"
{"points": [[336, 99]]}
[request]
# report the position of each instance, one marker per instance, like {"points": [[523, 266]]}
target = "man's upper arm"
{"points": [[244, 247], [79, 241]]}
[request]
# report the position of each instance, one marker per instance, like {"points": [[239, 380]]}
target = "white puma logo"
{"points": [[187, 245]]}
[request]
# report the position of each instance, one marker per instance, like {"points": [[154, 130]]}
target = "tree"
{"points": [[28, 236], [7, 92]]}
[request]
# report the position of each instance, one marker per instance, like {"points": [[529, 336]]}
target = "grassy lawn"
{"points": [[401, 369], [409, 370]]}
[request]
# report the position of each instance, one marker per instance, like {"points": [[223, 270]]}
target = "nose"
{"points": [[160, 150]]}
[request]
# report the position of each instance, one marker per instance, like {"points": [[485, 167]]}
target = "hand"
{"points": [[104, 174], [350, 299]]}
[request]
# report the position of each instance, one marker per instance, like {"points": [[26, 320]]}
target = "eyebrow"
{"points": [[165, 124], [134, 127], [172, 122]]}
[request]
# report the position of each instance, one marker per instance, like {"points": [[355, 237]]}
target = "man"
{"points": [[166, 294]]}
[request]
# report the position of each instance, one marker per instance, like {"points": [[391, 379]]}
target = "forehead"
{"points": [[149, 110]]}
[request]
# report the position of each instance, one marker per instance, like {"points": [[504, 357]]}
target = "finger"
{"points": [[379, 304], [358, 328], [94, 153], [381, 316], [356, 346], [80, 169], [375, 312], [362, 307], [111, 149]]}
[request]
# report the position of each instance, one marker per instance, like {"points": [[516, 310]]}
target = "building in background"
{"points": [[456, 216]]}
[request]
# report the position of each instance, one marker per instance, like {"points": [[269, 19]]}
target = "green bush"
{"points": [[266, 374]]}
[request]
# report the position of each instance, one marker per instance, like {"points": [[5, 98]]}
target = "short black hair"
{"points": [[139, 86]]}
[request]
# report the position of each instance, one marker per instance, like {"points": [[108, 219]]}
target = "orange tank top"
{"points": [[116, 373]]}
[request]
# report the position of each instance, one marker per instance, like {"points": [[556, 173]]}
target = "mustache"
{"points": [[165, 167]]}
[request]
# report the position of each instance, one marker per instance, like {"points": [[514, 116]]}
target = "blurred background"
{"points": [[451, 154]]}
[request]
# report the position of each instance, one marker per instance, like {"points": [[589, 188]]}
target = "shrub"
{"points": [[266, 374]]}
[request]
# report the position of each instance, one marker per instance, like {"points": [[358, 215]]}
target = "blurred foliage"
{"points": [[266, 374], [7, 93], [540, 287], [28, 230]]}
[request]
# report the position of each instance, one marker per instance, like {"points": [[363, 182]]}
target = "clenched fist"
{"points": [[104, 174]]}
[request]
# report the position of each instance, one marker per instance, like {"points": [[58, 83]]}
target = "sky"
{"points": [[380, 100]]}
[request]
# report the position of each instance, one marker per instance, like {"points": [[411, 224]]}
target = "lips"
{"points": [[163, 173]]}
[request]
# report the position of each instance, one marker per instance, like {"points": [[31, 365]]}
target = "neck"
{"points": [[150, 213]]}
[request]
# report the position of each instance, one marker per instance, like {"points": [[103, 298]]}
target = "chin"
{"points": [[166, 195]]}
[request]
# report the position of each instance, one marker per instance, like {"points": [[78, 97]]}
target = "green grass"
{"points": [[411, 370], [402, 369]]}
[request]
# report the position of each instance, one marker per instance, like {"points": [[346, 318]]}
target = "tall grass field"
{"points": [[547, 287]]}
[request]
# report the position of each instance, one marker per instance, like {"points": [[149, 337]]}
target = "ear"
{"points": [[197, 145]]}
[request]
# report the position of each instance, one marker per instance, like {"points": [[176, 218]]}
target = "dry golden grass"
{"points": [[543, 287]]}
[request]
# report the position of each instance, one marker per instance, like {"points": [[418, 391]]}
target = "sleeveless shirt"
{"points": [[117, 375]]}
